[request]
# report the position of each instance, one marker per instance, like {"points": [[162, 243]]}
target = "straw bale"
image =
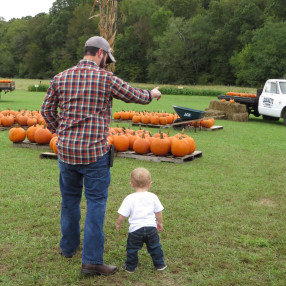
{"points": [[213, 112], [232, 111], [242, 117], [214, 104]]}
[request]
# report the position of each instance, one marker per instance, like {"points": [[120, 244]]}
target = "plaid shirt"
{"points": [[83, 94]]}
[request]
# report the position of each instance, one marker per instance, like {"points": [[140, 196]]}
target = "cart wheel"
{"points": [[179, 126]]}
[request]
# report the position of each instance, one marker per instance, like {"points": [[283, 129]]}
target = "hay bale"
{"points": [[213, 113], [242, 117], [231, 111]]}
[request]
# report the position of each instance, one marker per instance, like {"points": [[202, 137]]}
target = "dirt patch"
{"points": [[266, 202]]}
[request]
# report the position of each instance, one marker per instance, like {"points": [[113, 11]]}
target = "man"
{"points": [[83, 94]]}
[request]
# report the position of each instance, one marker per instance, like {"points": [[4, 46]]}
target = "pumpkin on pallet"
{"points": [[141, 145], [17, 134], [43, 135], [160, 146]]}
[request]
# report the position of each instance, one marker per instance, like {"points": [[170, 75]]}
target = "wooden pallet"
{"points": [[146, 157], [213, 128], [48, 155], [28, 144], [154, 158], [121, 120], [3, 128]]}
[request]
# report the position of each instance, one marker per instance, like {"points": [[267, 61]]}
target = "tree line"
{"points": [[238, 42]]}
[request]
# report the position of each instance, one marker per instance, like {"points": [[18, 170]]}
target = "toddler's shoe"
{"points": [[162, 268], [127, 270]]}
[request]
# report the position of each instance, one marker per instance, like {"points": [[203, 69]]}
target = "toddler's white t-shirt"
{"points": [[140, 208]]}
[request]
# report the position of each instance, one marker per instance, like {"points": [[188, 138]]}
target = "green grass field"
{"points": [[224, 217]]}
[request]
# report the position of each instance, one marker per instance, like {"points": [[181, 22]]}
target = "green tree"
{"points": [[184, 8], [8, 67], [182, 54], [36, 61], [264, 57], [233, 23], [134, 39], [80, 25]]}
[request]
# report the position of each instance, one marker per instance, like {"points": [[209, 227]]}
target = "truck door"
{"points": [[269, 100]]}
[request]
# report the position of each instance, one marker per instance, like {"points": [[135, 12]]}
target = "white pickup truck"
{"points": [[270, 102]]}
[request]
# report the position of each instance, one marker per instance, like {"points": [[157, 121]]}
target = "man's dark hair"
{"points": [[91, 51]]}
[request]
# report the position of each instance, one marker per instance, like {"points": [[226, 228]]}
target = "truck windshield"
{"points": [[283, 87]]}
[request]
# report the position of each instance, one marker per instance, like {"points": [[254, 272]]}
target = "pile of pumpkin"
{"points": [[140, 141], [35, 134], [6, 80], [143, 142], [242, 94], [21, 117], [146, 117], [230, 101], [207, 123]]}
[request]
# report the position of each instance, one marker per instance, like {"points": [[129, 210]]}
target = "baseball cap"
{"points": [[101, 43]]}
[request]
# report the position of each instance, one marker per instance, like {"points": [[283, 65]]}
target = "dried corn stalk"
{"points": [[107, 22]]}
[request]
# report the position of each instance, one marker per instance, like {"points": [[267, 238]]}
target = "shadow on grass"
{"points": [[263, 121]]}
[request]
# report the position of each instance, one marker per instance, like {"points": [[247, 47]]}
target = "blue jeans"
{"points": [[95, 178], [135, 241]]}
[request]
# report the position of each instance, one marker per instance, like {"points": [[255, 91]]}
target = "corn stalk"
{"points": [[107, 22]]}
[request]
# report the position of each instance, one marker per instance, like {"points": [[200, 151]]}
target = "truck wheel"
{"points": [[284, 119]]}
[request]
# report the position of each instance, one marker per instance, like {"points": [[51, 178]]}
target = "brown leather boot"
{"points": [[98, 269]]}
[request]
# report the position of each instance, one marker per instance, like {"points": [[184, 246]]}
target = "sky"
{"points": [[21, 8]]}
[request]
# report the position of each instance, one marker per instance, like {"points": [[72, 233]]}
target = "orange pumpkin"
{"points": [[17, 134], [141, 145], [116, 115], [180, 147], [160, 146], [22, 119], [31, 132], [136, 118], [54, 146], [43, 135], [7, 120], [163, 120], [145, 119], [132, 139], [120, 142], [154, 119]]}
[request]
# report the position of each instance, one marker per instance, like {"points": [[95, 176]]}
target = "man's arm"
{"points": [[49, 109], [123, 91]]}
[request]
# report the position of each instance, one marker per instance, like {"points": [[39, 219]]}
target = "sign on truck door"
{"points": [[271, 99]]}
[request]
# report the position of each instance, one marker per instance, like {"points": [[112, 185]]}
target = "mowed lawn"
{"points": [[224, 217]]}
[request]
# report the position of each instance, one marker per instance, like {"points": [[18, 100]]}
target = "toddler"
{"points": [[144, 210]]}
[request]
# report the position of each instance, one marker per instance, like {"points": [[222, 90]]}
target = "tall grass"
{"points": [[224, 217]]}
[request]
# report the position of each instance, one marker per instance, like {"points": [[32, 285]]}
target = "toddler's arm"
{"points": [[120, 219], [159, 218]]}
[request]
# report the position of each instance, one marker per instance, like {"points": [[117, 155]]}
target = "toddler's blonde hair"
{"points": [[140, 178]]}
